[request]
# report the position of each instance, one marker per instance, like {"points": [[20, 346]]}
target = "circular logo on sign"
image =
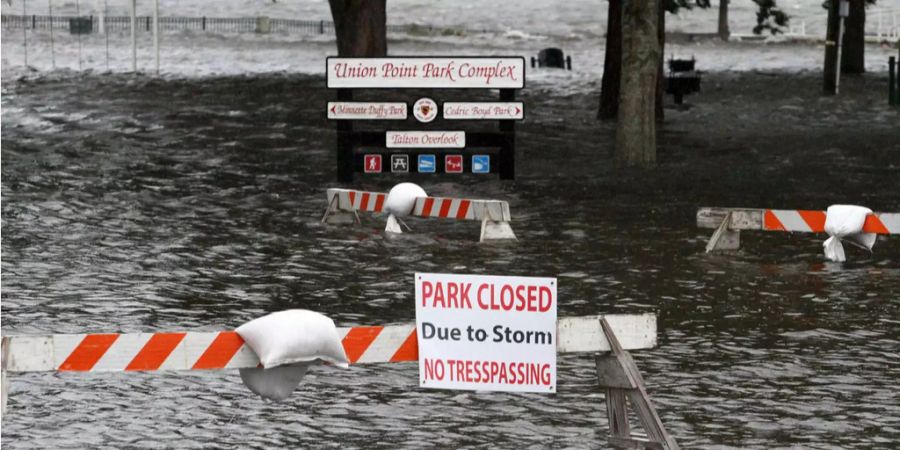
{"points": [[425, 110]]}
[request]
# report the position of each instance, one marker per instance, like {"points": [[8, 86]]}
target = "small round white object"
{"points": [[425, 110], [402, 199]]}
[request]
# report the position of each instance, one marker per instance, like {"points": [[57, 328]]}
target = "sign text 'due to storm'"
{"points": [[426, 72], [480, 332], [425, 139]]}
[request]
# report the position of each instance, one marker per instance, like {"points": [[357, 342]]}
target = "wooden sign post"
{"points": [[407, 149]]}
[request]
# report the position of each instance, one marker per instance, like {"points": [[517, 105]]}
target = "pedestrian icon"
{"points": [[372, 164], [453, 164], [481, 164], [399, 163], [426, 164]]}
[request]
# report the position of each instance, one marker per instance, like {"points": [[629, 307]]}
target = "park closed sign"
{"points": [[486, 333]]}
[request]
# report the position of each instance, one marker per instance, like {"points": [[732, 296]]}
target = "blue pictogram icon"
{"points": [[481, 164], [426, 164]]}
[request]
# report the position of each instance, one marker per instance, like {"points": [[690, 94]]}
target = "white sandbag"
{"points": [[846, 222], [276, 383], [292, 336], [402, 199]]}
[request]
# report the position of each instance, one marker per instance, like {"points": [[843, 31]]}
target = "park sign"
{"points": [[427, 72], [484, 110], [366, 110], [486, 333], [411, 144]]}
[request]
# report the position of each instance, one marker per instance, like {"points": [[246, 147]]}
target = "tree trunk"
{"points": [[853, 54], [660, 78], [360, 27], [636, 132], [724, 33], [831, 37], [612, 63]]}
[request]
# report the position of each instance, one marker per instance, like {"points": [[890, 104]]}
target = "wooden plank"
{"points": [[584, 334], [741, 218], [632, 443], [610, 373], [617, 412], [723, 238], [639, 398]]}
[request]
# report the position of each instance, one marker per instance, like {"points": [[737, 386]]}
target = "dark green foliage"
{"points": [[769, 17], [827, 3], [672, 6]]}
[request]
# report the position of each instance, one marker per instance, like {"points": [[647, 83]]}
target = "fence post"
{"points": [[25, 31], [52, 47], [133, 36], [321, 27], [156, 32], [33, 21], [203, 23], [892, 81]]}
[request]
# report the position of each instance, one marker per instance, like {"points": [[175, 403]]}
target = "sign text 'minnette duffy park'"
{"points": [[426, 72]]}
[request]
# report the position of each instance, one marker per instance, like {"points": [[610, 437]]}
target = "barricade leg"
{"points": [[492, 230], [393, 225], [335, 216], [724, 238], [620, 377], [4, 377]]}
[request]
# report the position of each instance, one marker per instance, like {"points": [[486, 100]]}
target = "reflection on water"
{"points": [[135, 205]]}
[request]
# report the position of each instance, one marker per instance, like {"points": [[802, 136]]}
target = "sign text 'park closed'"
{"points": [[488, 333]]}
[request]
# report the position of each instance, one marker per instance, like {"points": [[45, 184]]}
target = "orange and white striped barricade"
{"points": [[219, 350], [611, 335], [494, 215], [728, 223]]}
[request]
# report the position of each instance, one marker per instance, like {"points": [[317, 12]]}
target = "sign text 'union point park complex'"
{"points": [[446, 147]]}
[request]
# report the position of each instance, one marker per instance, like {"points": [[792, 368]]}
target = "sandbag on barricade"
{"points": [[400, 203], [287, 343], [846, 222]]}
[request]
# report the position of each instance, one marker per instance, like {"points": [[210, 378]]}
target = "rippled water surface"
{"points": [[132, 204]]}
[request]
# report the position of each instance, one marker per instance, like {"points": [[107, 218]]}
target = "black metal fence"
{"points": [[213, 24]]}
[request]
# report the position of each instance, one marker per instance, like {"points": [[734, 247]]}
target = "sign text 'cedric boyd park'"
{"points": [[418, 150], [486, 333]]}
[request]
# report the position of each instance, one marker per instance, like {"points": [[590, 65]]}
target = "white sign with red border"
{"points": [[484, 110], [425, 139], [486, 333], [367, 110], [426, 72]]}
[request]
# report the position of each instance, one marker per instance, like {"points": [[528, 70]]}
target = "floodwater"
{"points": [[131, 204]]}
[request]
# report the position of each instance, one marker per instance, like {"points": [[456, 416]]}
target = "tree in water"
{"points": [[636, 130], [853, 55], [612, 63], [769, 17], [854, 43], [724, 32], [360, 27]]}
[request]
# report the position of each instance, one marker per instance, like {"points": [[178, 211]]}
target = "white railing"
{"points": [[882, 23], [887, 22]]}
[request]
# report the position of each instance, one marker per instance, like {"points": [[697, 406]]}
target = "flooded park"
{"points": [[194, 201]]}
